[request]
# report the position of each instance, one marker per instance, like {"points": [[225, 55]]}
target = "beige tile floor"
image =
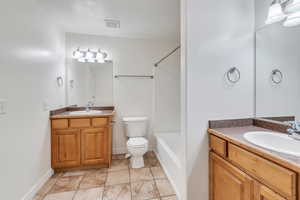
{"points": [[119, 182]]}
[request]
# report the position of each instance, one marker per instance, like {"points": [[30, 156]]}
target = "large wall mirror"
{"points": [[90, 83], [277, 68]]}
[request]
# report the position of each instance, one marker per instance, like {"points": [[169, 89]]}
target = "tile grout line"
{"points": [[104, 186], [76, 191], [130, 186], [154, 180]]}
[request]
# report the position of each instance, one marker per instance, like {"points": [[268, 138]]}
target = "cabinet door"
{"points": [[264, 193], [228, 182], [94, 146], [65, 148]]}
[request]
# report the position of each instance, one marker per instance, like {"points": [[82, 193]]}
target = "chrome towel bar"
{"points": [[134, 76]]}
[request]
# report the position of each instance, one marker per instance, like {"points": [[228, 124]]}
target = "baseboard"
{"points": [[168, 175], [35, 188], [119, 150]]}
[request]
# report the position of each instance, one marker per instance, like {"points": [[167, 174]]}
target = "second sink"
{"points": [[279, 142]]}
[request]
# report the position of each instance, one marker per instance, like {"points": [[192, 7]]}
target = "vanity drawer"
{"points": [[60, 124], [276, 177], [98, 122], [80, 123], [218, 145]]}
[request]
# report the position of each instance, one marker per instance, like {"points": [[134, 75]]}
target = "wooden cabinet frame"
{"points": [[81, 143], [228, 182], [94, 146], [269, 180], [65, 148]]}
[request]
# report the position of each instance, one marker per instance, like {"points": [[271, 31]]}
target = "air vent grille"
{"points": [[112, 23]]}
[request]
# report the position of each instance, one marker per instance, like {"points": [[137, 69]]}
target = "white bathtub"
{"points": [[170, 152]]}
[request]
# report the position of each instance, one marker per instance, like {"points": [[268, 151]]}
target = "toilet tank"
{"points": [[135, 126]]}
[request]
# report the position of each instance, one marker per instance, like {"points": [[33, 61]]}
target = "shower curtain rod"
{"points": [[164, 58]]}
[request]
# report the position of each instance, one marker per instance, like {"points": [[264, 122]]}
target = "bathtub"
{"points": [[170, 152]]}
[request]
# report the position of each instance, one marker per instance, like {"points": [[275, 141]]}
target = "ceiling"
{"points": [[155, 19]]}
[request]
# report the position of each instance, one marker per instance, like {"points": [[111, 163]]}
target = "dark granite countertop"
{"points": [[66, 112]]}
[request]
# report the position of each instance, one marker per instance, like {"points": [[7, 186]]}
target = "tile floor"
{"points": [[120, 182]]}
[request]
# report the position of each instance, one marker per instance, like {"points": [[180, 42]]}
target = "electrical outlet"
{"points": [[2, 107]]}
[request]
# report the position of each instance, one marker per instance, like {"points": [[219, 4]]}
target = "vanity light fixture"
{"points": [[284, 9], [90, 56], [275, 13]]}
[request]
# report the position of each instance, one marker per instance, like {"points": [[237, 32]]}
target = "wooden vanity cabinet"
{"points": [[228, 182], [81, 143], [242, 175], [65, 148], [94, 145]]}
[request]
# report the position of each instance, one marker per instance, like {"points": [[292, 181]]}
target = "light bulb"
{"points": [[77, 53], [89, 54], [292, 20], [99, 55], [275, 13]]}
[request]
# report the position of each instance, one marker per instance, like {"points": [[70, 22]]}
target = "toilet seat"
{"points": [[138, 142]]}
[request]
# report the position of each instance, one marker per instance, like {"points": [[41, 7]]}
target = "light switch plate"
{"points": [[3, 106]]}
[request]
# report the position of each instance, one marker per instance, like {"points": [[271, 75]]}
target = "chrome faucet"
{"points": [[295, 130], [88, 106]]}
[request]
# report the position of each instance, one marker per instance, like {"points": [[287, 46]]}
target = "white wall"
{"points": [[32, 56], [277, 47], [219, 36], [132, 96], [167, 95]]}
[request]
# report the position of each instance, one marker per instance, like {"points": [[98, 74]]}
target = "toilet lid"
{"points": [[136, 142]]}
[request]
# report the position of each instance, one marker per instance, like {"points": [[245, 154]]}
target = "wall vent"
{"points": [[112, 23]]}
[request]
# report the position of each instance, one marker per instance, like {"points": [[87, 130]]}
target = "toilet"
{"points": [[137, 144]]}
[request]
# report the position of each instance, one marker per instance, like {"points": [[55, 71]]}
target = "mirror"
{"points": [[277, 70], [88, 82]]}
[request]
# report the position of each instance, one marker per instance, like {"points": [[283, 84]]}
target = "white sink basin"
{"points": [[84, 112], [274, 141]]}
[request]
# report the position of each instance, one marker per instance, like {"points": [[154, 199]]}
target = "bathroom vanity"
{"points": [[240, 170], [80, 139]]}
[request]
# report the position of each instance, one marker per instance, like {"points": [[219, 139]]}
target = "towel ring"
{"points": [[233, 75], [276, 76]]}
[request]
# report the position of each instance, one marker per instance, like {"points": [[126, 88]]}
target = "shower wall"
{"points": [[167, 95]]}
